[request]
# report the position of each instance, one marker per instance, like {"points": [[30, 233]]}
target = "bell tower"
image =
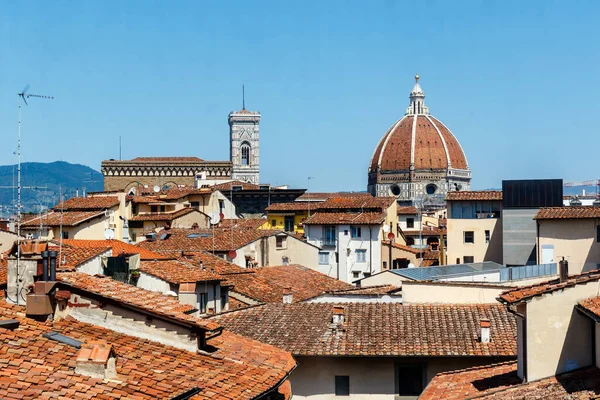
{"points": [[243, 137]]}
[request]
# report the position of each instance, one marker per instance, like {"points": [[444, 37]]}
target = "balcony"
{"points": [[328, 242]]}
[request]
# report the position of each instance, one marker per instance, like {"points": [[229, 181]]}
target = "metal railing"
{"points": [[527, 271]]}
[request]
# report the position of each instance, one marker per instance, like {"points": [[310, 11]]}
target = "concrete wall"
{"points": [[7, 239], [480, 250], [519, 232], [371, 378], [573, 239], [383, 278], [93, 266], [152, 283], [417, 292], [559, 339]]}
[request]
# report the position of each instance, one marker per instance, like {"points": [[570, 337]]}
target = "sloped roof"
{"points": [[118, 247], [568, 212], [231, 186], [402, 247], [322, 196], [242, 223], [408, 210], [268, 284], [88, 203], [166, 159], [475, 195], [293, 206], [170, 216], [378, 329], [344, 218], [174, 271], [67, 218], [359, 202], [37, 367], [527, 292]]}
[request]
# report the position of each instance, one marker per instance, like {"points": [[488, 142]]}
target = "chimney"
{"points": [[338, 315], [52, 255], [288, 297], [563, 270], [44, 266], [96, 359], [485, 325]]}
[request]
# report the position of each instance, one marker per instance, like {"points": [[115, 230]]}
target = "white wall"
{"points": [[402, 222], [152, 283], [94, 266], [355, 298], [444, 293]]}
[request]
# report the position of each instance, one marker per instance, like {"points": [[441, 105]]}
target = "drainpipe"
{"points": [[371, 250]]}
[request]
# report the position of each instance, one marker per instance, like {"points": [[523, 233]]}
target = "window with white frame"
{"points": [[355, 232], [469, 237], [361, 255], [323, 258]]}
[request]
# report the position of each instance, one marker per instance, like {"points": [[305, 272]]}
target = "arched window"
{"points": [[245, 153]]}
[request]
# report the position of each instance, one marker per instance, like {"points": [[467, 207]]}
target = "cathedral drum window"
{"points": [[395, 190], [431, 188]]}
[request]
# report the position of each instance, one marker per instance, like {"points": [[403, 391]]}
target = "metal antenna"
{"points": [[243, 98], [24, 96]]}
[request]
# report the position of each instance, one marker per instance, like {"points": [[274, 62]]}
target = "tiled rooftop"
{"points": [[408, 210], [56, 218], [293, 206], [528, 292], [151, 302], [345, 218], [216, 239], [391, 329], [592, 305], [359, 203], [472, 382], [322, 196], [570, 212], [242, 223], [401, 247], [69, 258], [118, 247], [378, 290], [174, 271], [33, 367], [224, 187], [88, 203], [170, 216], [268, 284], [475, 195], [166, 159]]}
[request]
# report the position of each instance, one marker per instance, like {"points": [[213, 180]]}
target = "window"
{"points": [[153, 209], [288, 223], [245, 153], [329, 236], [345, 232], [355, 274], [280, 242], [224, 301], [323, 258], [410, 222], [162, 209], [273, 222], [469, 237], [202, 302], [65, 234], [409, 379], [221, 206], [598, 233], [356, 232], [468, 259], [342, 385], [385, 265], [361, 256], [195, 205], [487, 236]]}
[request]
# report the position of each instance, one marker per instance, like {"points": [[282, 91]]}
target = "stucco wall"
{"points": [[371, 378], [417, 292], [186, 221], [573, 239], [559, 339], [383, 278], [480, 250], [296, 251], [7, 239]]}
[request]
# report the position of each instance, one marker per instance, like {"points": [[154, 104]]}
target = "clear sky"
{"points": [[516, 82]]}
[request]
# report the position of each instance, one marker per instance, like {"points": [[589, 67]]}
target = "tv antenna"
{"points": [[24, 96]]}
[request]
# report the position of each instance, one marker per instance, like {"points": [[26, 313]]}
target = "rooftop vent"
{"points": [[9, 324], [151, 237], [485, 325], [288, 297], [62, 339], [338, 315], [97, 360]]}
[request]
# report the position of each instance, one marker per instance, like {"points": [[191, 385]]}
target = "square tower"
{"points": [[243, 153]]}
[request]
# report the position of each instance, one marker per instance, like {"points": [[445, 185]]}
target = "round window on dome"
{"points": [[395, 190], [431, 188]]}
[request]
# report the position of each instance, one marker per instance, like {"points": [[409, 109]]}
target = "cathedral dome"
{"points": [[418, 148]]}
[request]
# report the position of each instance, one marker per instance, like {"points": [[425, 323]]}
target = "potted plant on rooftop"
{"points": [[134, 276]]}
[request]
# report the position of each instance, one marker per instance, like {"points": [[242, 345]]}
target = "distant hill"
{"points": [[48, 179]]}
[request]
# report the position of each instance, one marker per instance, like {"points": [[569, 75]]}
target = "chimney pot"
{"points": [[563, 270], [52, 255], [288, 296], [485, 325], [96, 359], [44, 266], [338, 314]]}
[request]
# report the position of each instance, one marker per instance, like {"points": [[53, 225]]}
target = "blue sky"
{"points": [[516, 82]]}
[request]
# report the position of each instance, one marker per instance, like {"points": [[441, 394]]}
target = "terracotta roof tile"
{"points": [[408, 210], [402, 247], [67, 218], [378, 290], [166, 159], [88, 203], [344, 218], [242, 223], [216, 239], [322, 196], [570, 212], [475, 195], [36, 367], [3, 269], [174, 271], [123, 293], [526, 292], [118, 247], [392, 329], [211, 262], [471, 382], [170, 216], [69, 258], [232, 186], [294, 206], [268, 284], [592, 305], [357, 203]]}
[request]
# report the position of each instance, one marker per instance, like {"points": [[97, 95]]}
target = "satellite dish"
{"points": [[156, 189], [215, 218], [391, 236], [411, 265], [109, 234], [386, 298], [386, 228]]}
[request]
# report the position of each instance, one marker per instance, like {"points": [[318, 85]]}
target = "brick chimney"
{"points": [[338, 315], [97, 359], [485, 325], [288, 297]]}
